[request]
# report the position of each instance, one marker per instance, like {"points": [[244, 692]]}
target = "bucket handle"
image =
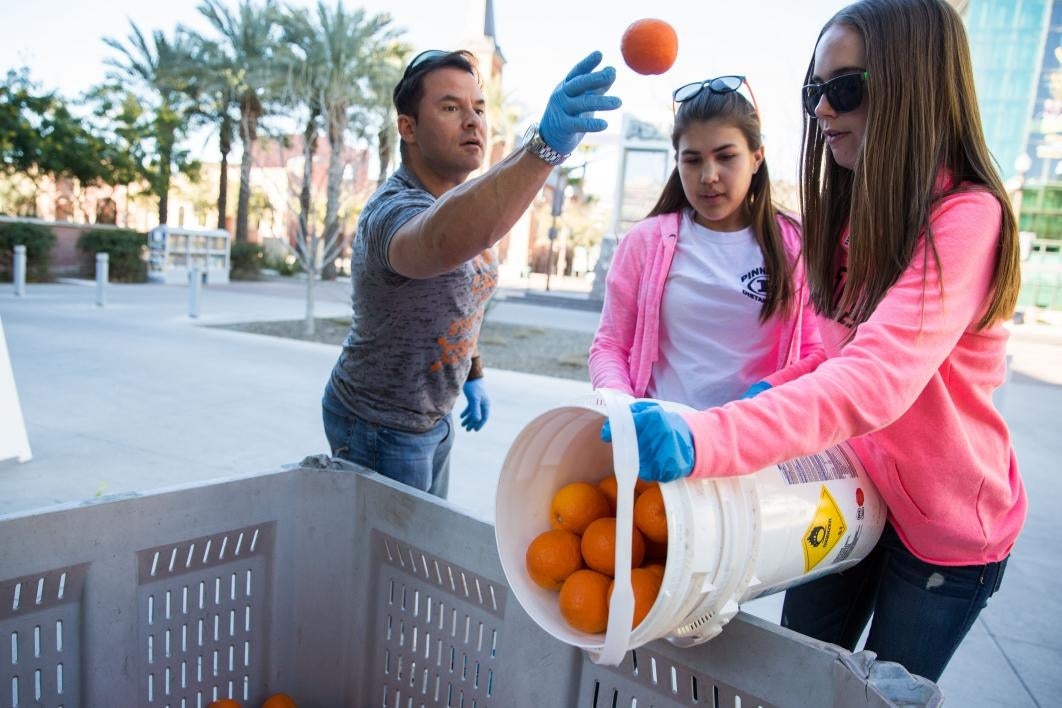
{"points": [[625, 464]]}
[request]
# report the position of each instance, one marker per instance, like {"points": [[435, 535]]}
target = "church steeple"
{"points": [[481, 36]]}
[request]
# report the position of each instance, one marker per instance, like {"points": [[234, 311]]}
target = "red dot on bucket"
{"points": [[859, 496]]}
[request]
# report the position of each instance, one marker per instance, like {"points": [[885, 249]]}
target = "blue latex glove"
{"points": [[475, 413], [755, 390], [665, 443], [570, 111]]}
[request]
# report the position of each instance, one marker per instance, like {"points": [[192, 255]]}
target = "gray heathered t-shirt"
{"points": [[411, 341]]}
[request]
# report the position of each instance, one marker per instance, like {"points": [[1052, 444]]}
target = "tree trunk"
{"points": [[310, 323], [384, 148], [165, 160], [336, 124], [309, 147], [248, 134], [225, 140], [306, 241]]}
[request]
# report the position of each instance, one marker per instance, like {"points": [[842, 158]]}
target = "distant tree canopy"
{"points": [[40, 137], [262, 66]]}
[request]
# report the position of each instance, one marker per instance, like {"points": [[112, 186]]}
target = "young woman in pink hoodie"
{"points": [[912, 258], [706, 296]]}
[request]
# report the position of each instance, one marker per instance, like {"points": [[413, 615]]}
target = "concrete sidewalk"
{"points": [[137, 396]]}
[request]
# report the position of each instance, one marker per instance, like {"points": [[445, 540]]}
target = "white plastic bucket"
{"points": [[729, 539]]}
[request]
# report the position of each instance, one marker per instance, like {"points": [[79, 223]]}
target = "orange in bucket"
{"points": [[552, 557], [575, 505]]}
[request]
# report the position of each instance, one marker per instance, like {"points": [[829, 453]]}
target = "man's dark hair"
{"points": [[410, 89]]}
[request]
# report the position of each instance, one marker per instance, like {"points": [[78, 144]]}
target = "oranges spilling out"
{"points": [[649, 46], [576, 557]]}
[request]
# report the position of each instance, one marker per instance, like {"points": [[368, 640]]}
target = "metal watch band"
{"points": [[535, 144]]}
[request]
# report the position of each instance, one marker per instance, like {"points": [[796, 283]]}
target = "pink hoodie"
{"points": [[913, 390], [627, 340]]}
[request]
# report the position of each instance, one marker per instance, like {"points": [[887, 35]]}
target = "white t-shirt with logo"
{"points": [[712, 345]]}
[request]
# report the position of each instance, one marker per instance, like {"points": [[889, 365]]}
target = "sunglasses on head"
{"points": [[425, 56], [845, 92], [720, 84]]}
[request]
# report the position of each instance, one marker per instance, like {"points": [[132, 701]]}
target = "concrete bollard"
{"points": [[195, 284], [102, 274], [19, 276]]}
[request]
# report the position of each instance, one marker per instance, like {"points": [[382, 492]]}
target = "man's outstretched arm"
{"points": [[474, 216]]}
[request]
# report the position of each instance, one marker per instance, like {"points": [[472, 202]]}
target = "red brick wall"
{"points": [[66, 259]]}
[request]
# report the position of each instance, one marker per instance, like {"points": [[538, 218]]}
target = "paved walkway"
{"points": [[137, 396]]}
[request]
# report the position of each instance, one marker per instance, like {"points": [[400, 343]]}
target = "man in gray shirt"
{"points": [[422, 267]]}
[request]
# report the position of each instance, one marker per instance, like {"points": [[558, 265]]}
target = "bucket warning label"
{"points": [[824, 532]]}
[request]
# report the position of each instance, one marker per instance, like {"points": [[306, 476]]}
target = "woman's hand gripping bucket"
{"points": [[625, 464], [559, 447]]}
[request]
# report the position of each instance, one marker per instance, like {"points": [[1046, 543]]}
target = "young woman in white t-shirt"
{"points": [[706, 296]]}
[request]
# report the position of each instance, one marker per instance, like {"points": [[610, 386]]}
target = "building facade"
{"points": [[1017, 59]]}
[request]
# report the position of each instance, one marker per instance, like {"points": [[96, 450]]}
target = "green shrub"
{"points": [[245, 261], [126, 250], [38, 240], [280, 263]]}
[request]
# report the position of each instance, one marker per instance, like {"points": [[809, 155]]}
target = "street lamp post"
{"points": [[559, 178], [560, 182]]}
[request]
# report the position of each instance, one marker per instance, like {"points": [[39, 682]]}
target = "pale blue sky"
{"points": [[770, 41]]}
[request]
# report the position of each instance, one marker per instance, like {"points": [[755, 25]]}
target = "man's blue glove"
{"points": [[569, 113], [475, 413], [665, 443], [755, 390]]}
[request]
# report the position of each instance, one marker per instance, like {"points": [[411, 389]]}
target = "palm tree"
{"points": [[302, 62], [155, 66], [328, 55], [345, 47], [249, 41], [384, 70], [213, 88], [502, 115]]}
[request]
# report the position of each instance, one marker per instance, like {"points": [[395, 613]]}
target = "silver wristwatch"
{"points": [[534, 144]]}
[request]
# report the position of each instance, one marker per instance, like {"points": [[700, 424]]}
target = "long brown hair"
{"points": [[735, 109], [922, 120]]}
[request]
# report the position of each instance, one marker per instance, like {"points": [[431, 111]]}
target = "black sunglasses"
{"points": [[720, 84], [425, 56], [845, 93]]}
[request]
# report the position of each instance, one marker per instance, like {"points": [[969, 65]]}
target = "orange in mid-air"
{"points": [[552, 557], [649, 46]]}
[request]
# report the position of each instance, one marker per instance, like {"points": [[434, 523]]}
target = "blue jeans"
{"points": [[420, 460], [921, 611]]}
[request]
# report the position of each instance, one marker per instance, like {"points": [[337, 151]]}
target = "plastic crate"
{"points": [[341, 588]]}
